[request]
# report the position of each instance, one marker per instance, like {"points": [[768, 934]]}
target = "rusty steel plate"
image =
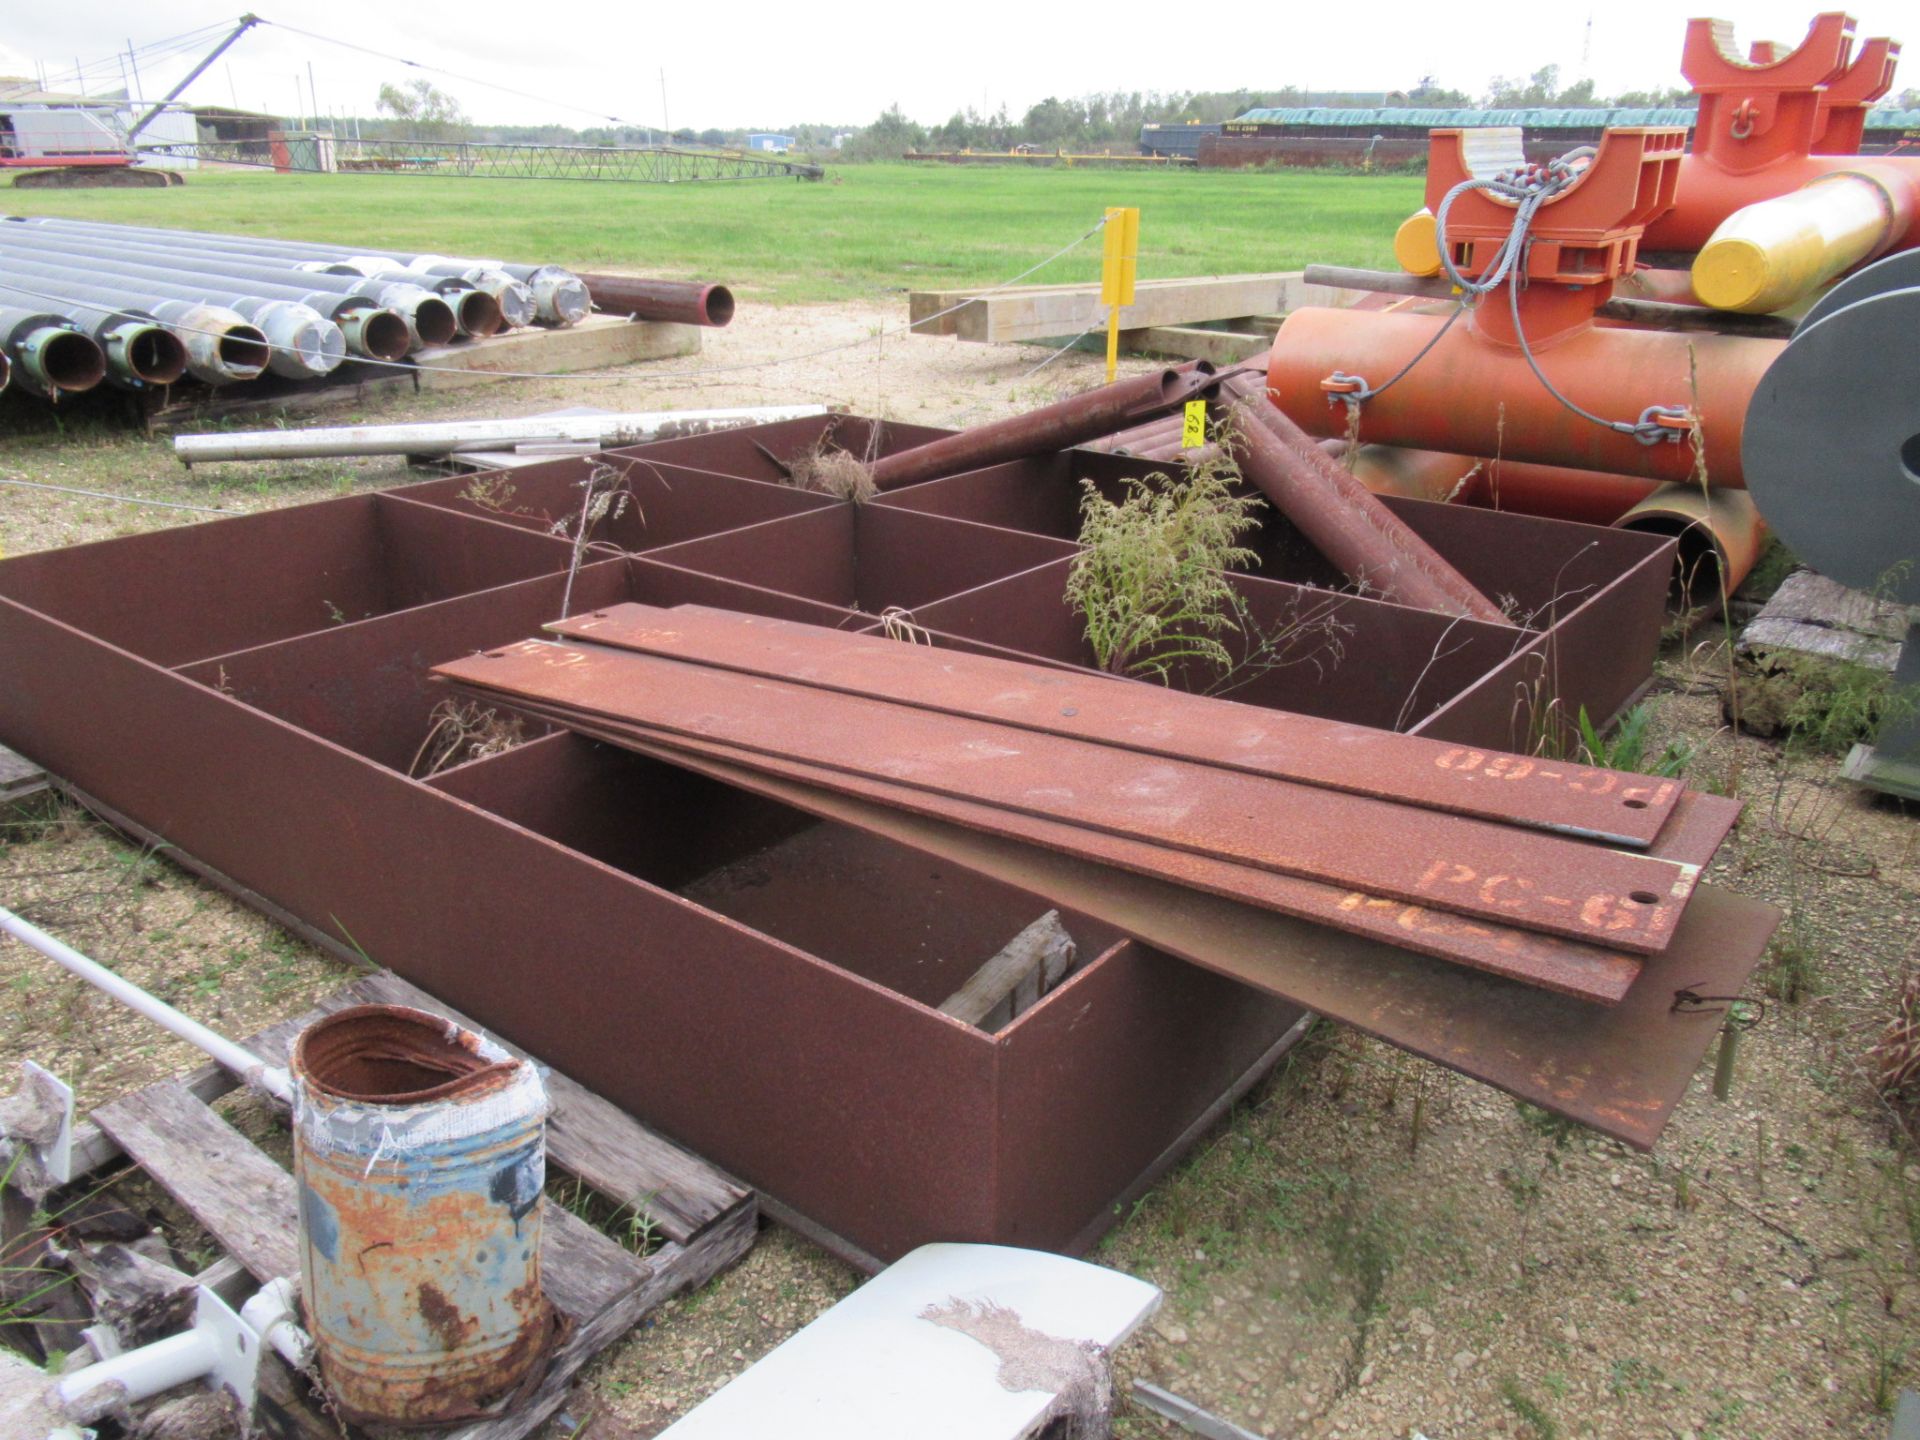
{"points": [[1621, 1069], [1569, 967], [1492, 872], [1578, 800]]}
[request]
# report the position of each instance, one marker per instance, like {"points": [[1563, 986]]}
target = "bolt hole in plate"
{"points": [[1634, 804], [1829, 448], [1644, 897]]}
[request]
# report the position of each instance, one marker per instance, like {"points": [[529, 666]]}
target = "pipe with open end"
{"points": [[305, 340], [222, 345], [430, 320], [684, 302], [52, 355], [556, 296], [140, 351]]}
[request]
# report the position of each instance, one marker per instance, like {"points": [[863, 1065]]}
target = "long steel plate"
{"points": [[1500, 873], [1580, 800]]}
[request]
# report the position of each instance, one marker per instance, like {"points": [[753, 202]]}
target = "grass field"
{"points": [[865, 231]]}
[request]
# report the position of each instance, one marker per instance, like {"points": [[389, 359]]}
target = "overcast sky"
{"points": [[749, 63]]}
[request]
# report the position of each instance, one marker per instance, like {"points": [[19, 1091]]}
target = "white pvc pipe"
{"points": [[229, 1056], [274, 1315], [450, 436], [147, 1371]]}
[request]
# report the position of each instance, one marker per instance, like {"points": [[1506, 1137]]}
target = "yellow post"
{"points": [[1118, 264]]}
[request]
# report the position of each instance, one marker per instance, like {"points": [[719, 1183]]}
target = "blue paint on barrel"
{"points": [[421, 1161]]}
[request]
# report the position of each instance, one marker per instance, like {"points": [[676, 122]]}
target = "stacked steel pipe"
{"points": [[139, 307]]}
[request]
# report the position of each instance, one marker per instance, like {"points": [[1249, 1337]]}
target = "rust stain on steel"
{"points": [[1052, 427], [1492, 872], [418, 1153], [1579, 800], [1621, 1069], [1343, 519], [1570, 967]]}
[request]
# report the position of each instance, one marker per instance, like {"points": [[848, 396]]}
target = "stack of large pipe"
{"points": [[139, 306]]}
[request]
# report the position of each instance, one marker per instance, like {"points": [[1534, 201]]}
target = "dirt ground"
{"points": [[1368, 1246]]}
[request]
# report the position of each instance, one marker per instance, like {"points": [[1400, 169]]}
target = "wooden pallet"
{"points": [[20, 778], [246, 1201]]}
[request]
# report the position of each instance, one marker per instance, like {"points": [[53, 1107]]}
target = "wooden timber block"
{"points": [[1186, 342], [599, 342]]}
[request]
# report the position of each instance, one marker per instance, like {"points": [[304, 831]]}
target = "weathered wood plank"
{"points": [[1013, 980], [242, 1198], [1813, 615], [668, 1271], [20, 777], [1186, 342]]}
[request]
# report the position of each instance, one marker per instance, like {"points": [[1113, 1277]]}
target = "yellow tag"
{"points": [[1193, 425]]}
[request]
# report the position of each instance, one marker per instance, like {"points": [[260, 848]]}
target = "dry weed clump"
{"points": [[838, 473], [462, 731]]}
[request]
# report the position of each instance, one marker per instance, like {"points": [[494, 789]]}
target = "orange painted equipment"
{"points": [[1773, 123], [1471, 390]]}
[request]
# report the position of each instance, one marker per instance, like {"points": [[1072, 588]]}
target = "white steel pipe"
{"points": [[229, 1056], [452, 436]]}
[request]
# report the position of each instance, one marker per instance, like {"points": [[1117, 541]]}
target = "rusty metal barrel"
{"points": [[420, 1154]]}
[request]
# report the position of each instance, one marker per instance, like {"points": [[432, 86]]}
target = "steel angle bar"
{"points": [[1620, 1069], [1578, 800], [1514, 877], [1570, 967]]}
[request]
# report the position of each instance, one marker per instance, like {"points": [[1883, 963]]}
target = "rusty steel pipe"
{"points": [[1473, 395], [1722, 525], [1059, 426], [684, 302], [1341, 517], [1135, 437]]}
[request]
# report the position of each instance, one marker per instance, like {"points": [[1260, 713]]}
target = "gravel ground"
{"points": [[1369, 1246]]}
